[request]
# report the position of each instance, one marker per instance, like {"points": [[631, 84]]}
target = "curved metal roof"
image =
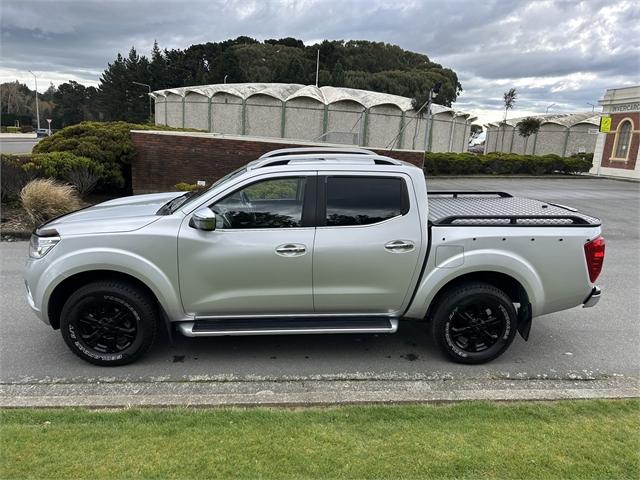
{"points": [[289, 91], [564, 119]]}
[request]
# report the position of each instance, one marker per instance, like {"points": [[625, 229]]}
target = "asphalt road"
{"points": [[600, 342], [17, 145]]}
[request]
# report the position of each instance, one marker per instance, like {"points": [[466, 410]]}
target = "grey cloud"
{"points": [[486, 42]]}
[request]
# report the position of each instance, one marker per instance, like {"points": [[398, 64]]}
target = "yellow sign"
{"points": [[605, 124]]}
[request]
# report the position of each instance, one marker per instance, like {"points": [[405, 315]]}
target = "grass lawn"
{"points": [[583, 439]]}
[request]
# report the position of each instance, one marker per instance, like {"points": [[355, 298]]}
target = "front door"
{"points": [[368, 244], [258, 260]]}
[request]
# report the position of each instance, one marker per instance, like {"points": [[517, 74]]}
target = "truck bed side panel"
{"points": [[548, 262]]}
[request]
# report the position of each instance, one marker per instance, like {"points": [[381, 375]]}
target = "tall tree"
{"points": [[70, 99], [355, 64], [509, 99], [157, 68], [113, 90]]}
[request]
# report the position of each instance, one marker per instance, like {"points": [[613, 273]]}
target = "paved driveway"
{"points": [[579, 343]]}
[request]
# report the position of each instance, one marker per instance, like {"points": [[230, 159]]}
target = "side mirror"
{"points": [[203, 219]]}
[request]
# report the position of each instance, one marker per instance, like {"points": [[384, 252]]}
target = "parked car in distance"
{"points": [[42, 132], [311, 240]]}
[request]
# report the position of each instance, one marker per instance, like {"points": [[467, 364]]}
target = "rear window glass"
{"points": [[364, 200]]}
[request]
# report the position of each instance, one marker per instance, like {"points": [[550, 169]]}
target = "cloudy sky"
{"points": [[559, 52]]}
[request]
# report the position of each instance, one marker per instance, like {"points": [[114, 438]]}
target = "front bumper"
{"points": [[593, 298]]}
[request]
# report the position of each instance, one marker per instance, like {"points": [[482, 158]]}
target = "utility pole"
{"points": [[552, 105], [593, 107], [317, 66], [37, 107], [149, 87], [225, 79]]}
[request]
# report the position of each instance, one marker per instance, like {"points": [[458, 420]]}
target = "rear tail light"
{"points": [[594, 253]]}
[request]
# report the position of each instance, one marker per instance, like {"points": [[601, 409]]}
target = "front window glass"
{"points": [[275, 203], [624, 137]]}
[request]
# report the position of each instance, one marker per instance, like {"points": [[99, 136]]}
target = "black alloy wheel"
{"points": [[474, 323], [107, 326], [109, 323]]}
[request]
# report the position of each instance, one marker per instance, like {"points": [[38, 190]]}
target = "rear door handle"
{"points": [[399, 246], [291, 250]]}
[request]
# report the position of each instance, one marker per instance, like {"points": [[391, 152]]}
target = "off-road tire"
{"points": [[457, 306], [131, 310]]}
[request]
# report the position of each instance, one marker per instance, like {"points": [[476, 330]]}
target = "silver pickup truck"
{"points": [[311, 240]]}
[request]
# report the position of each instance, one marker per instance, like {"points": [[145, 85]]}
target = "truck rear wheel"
{"points": [[109, 323], [474, 323]]}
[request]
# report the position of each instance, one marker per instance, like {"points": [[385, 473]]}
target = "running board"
{"points": [[287, 326]]}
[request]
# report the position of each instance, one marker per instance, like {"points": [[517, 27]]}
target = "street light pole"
{"points": [[149, 87], [37, 107], [552, 105], [593, 107]]}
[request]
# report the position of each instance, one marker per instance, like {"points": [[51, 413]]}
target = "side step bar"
{"points": [[287, 326]]}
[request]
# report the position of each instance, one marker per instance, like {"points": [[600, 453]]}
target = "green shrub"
{"points": [[108, 143], [12, 177], [45, 198], [81, 172], [578, 165], [496, 163]]}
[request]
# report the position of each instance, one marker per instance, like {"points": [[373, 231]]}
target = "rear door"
{"points": [[367, 244]]}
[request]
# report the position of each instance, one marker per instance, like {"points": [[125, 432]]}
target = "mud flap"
{"points": [[524, 321], [167, 323]]}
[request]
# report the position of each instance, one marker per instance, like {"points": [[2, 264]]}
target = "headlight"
{"points": [[40, 246]]}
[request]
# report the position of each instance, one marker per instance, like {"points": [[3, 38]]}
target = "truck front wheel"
{"points": [[109, 323], [474, 323]]}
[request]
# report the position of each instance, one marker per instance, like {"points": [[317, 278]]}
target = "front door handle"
{"points": [[399, 246], [291, 250]]}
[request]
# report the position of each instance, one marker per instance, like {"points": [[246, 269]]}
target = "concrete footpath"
{"points": [[307, 392]]}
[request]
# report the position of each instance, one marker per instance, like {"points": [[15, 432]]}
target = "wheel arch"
{"points": [[507, 283], [511, 286], [66, 287]]}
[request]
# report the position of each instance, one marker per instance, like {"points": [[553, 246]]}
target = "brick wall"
{"points": [[608, 153], [167, 158]]}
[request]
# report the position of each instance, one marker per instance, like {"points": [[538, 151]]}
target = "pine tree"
{"points": [[113, 90], [157, 68]]}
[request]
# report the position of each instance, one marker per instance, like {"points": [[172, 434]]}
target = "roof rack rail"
{"points": [[283, 152], [335, 157]]}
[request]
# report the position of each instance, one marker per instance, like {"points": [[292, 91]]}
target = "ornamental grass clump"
{"points": [[44, 199]]}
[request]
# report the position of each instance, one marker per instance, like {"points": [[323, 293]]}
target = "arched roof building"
{"points": [[329, 114], [563, 134]]}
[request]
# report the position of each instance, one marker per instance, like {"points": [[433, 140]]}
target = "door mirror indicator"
{"points": [[203, 219]]}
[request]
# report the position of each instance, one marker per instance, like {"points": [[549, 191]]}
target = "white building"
{"points": [[560, 134], [617, 151], [309, 113]]}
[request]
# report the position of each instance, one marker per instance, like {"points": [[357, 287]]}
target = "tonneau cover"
{"points": [[499, 208]]}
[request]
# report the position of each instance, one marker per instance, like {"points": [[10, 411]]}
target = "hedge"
{"points": [[81, 172], [108, 143], [504, 164]]}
